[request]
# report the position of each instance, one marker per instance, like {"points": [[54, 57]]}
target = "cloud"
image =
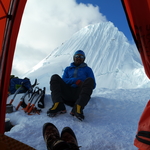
{"points": [[46, 25]]}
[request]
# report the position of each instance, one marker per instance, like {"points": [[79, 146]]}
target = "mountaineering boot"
{"points": [[52, 138], [50, 135], [68, 136], [57, 108], [77, 111]]}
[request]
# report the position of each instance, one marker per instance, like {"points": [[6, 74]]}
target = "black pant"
{"points": [[61, 92]]}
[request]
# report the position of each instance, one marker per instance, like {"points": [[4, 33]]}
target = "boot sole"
{"points": [[71, 113], [81, 119], [54, 114]]}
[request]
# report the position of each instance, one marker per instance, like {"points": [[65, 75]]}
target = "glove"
{"points": [[79, 82]]}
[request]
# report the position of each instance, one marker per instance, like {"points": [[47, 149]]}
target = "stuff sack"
{"points": [[142, 140], [16, 83]]}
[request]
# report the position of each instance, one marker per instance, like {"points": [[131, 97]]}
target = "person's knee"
{"points": [[90, 80], [54, 77]]}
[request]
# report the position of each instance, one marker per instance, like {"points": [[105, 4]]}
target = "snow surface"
{"points": [[112, 114]]}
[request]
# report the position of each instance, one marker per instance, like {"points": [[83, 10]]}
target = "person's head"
{"points": [[79, 57]]}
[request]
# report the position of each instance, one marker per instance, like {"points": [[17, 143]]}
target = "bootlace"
{"points": [[51, 136], [69, 139]]}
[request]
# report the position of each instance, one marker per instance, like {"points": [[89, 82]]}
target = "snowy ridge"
{"points": [[108, 53], [112, 114]]}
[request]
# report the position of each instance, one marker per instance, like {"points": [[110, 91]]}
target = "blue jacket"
{"points": [[73, 73]]}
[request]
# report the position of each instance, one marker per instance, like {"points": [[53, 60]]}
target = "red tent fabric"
{"points": [[138, 12], [10, 18], [142, 139], [138, 16]]}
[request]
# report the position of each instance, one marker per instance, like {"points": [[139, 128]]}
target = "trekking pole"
{"points": [[22, 100], [33, 105], [31, 99], [42, 92], [17, 91], [23, 97], [35, 83], [29, 104]]}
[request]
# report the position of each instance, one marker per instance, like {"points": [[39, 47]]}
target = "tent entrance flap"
{"points": [[138, 17], [135, 11], [9, 28]]}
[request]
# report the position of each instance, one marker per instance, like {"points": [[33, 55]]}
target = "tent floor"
{"points": [[8, 143]]}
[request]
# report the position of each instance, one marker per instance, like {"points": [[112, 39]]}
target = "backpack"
{"points": [[16, 83]]}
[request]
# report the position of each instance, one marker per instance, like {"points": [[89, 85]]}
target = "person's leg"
{"points": [[56, 86], [84, 97], [71, 96], [86, 91], [60, 93]]}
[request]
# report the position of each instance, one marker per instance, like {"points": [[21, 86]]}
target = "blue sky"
{"points": [[114, 12]]}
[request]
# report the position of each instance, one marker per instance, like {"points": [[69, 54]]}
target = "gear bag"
{"points": [[142, 140], [16, 83]]}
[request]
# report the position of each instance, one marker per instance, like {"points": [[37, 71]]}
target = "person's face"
{"points": [[79, 59]]}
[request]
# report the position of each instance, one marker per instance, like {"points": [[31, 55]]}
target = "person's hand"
{"points": [[79, 82]]}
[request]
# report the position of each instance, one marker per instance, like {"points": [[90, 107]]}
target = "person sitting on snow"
{"points": [[73, 89]]}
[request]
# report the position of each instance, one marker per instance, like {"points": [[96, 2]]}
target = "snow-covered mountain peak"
{"points": [[108, 52]]}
